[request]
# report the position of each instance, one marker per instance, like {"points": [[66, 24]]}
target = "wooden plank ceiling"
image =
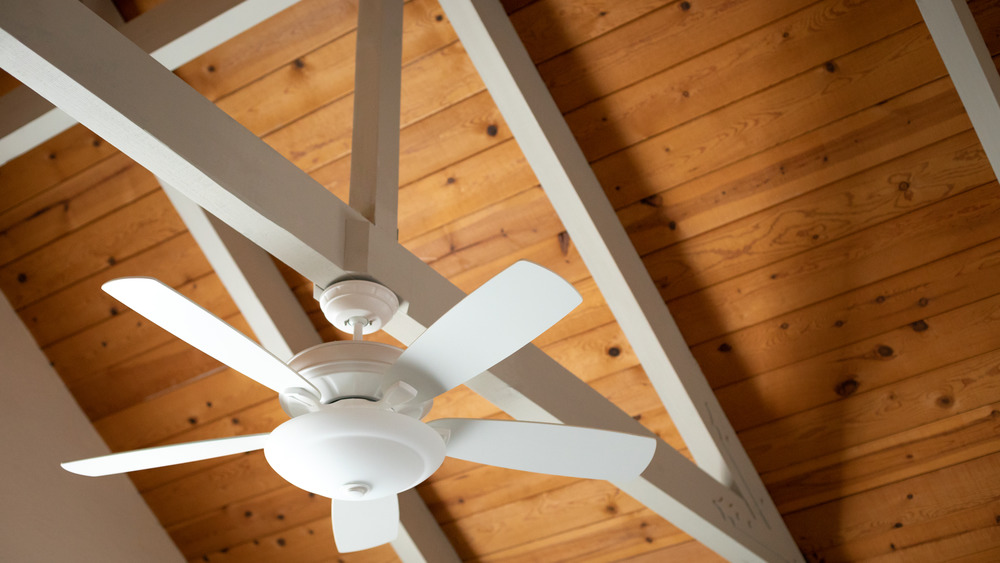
{"points": [[799, 176]]}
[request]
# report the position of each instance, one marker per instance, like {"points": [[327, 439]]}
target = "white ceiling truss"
{"points": [[173, 34], [71, 57]]}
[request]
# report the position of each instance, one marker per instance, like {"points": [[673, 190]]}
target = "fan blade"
{"points": [[165, 455], [491, 323], [571, 451], [193, 324], [363, 524]]}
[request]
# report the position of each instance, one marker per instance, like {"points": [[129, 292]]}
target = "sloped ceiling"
{"points": [[799, 177]]}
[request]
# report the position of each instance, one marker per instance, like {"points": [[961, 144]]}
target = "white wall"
{"points": [[46, 513]]}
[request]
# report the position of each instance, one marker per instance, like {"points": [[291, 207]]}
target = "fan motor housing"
{"points": [[354, 451]]}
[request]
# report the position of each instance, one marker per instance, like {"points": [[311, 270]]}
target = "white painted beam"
{"points": [[968, 61], [281, 326], [134, 103], [173, 33], [421, 539], [375, 138], [574, 191]]}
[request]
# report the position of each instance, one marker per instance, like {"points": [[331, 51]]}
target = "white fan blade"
{"points": [[555, 449], [491, 323], [165, 455], [364, 524], [193, 324]]}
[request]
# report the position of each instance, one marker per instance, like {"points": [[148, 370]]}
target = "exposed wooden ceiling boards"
{"points": [[799, 177]]}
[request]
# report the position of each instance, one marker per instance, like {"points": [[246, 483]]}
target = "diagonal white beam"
{"points": [[134, 103], [968, 61], [375, 137], [173, 33], [281, 326], [574, 191]]}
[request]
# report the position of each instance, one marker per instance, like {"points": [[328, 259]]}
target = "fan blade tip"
{"points": [[77, 468], [111, 286]]}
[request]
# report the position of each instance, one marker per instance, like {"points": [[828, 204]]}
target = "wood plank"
{"points": [[888, 249], [219, 485], [581, 503], [794, 107], [688, 551], [752, 62], [83, 304], [933, 495], [837, 210], [472, 184], [112, 183], [947, 538], [876, 361], [309, 542], [500, 229], [276, 42], [903, 299], [610, 540], [950, 441], [874, 414], [962, 544], [911, 299], [54, 161], [208, 399], [648, 45], [877, 134], [327, 73], [551, 28], [243, 521], [116, 236]]}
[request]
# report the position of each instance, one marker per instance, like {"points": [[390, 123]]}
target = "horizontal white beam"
{"points": [[577, 197], [174, 33], [134, 103], [968, 61]]}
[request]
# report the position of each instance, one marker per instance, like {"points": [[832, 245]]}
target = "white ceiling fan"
{"points": [[355, 434]]}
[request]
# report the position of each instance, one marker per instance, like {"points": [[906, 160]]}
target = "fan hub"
{"points": [[354, 450], [350, 369]]}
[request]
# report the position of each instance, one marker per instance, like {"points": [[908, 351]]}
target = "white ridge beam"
{"points": [[281, 326], [574, 191], [174, 33], [968, 61], [69, 56], [375, 137]]}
